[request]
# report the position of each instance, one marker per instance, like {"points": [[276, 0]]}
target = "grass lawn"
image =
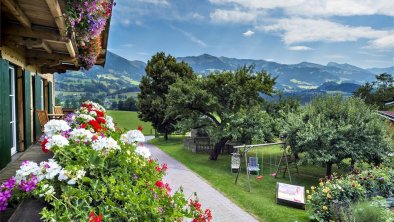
{"points": [[261, 200], [129, 120]]}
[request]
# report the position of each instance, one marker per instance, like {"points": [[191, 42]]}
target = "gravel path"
{"points": [[223, 210]]}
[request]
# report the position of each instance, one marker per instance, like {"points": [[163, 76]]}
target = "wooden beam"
{"points": [[47, 48], [57, 14], [34, 32], [17, 12], [70, 48], [43, 55], [60, 68]]}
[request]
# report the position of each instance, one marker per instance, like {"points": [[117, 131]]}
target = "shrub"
{"points": [[368, 211], [99, 173], [336, 192]]}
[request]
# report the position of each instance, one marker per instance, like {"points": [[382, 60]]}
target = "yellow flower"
{"points": [[325, 208], [307, 191], [309, 197], [312, 187], [328, 196], [325, 190], [321, 184]]}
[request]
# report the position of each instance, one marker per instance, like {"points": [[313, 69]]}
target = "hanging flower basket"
{"points": [[88, 19]]}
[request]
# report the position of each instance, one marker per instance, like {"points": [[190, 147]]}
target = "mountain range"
{"points": [[303, 76]]}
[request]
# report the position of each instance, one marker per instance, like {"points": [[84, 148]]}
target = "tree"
{"points": [[161, 72], [377, 92], [332, 128], [128, 105], [214, 102]]}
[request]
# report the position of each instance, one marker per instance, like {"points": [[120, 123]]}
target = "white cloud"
{"points": [[299, 48], [248, 33], [196, 15], [297, 30], [234, 16], [317, 7], [382, 43], [156, 2], [190, 36]]}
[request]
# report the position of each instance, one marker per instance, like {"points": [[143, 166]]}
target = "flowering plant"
{"points": [[87, 19], [98, 174], [321, 200]]}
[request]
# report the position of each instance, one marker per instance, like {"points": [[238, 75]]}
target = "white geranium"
{"points": [[47, 190], [93, 113], [49, 169], [105, 144], [71, 176], [94, 105], [83, 135], [86, 117], [55, 126], [143, 151], [132, 136], [56, 140], [63, 175], [27, 168], [109, 123]]}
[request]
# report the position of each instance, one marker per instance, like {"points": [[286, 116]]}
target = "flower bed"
{"points": [[98, 173], [340, 192]]}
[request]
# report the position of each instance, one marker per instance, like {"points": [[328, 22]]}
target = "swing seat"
{"points": [[253, 165], [235, 162]]}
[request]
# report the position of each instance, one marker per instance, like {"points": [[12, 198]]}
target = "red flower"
{"points": [[83, 125], [94, 137], [96, 126], [168, 188], [94, 218], [99, 113], [159, 184], [101, 120], [44, 149], [140, 128], [164, 167], [158, 169], [151, 161]]}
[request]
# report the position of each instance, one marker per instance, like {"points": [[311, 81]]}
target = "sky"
{"points": [[358, 32]]}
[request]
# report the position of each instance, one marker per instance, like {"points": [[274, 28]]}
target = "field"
{"points": [[261, 200], [129, 120]]}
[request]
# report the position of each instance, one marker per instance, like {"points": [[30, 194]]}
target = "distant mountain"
{"points": [[120, 77], [377, 71], [293, 77]]}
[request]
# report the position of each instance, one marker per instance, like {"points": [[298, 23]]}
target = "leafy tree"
{"points": [[221, 103], [377, 92], [332, 128], [161, 72], [129, 104]]}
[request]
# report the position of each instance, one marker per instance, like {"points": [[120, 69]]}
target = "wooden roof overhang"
{"points": [[36, 30]]}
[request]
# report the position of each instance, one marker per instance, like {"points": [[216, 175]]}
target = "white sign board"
{"points": [[290, 194]]}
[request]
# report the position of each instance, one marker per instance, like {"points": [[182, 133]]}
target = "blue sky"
{"points": [[358, 32]]}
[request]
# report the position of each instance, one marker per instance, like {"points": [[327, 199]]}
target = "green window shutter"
{"points": [[5, 114], [37, 105], [27, 107], [50, 105]]}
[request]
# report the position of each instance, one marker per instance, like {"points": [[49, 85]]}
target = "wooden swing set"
{"points": [[253, 165]]}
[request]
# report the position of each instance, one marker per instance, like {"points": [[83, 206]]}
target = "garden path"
{"points": [[223, 210]]}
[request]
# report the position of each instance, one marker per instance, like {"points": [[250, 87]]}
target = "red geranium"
{"points": [[159, 184], [101, 120], [44, 149], [94, 218], [99, 113], [96, 126], [140, 128]]}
